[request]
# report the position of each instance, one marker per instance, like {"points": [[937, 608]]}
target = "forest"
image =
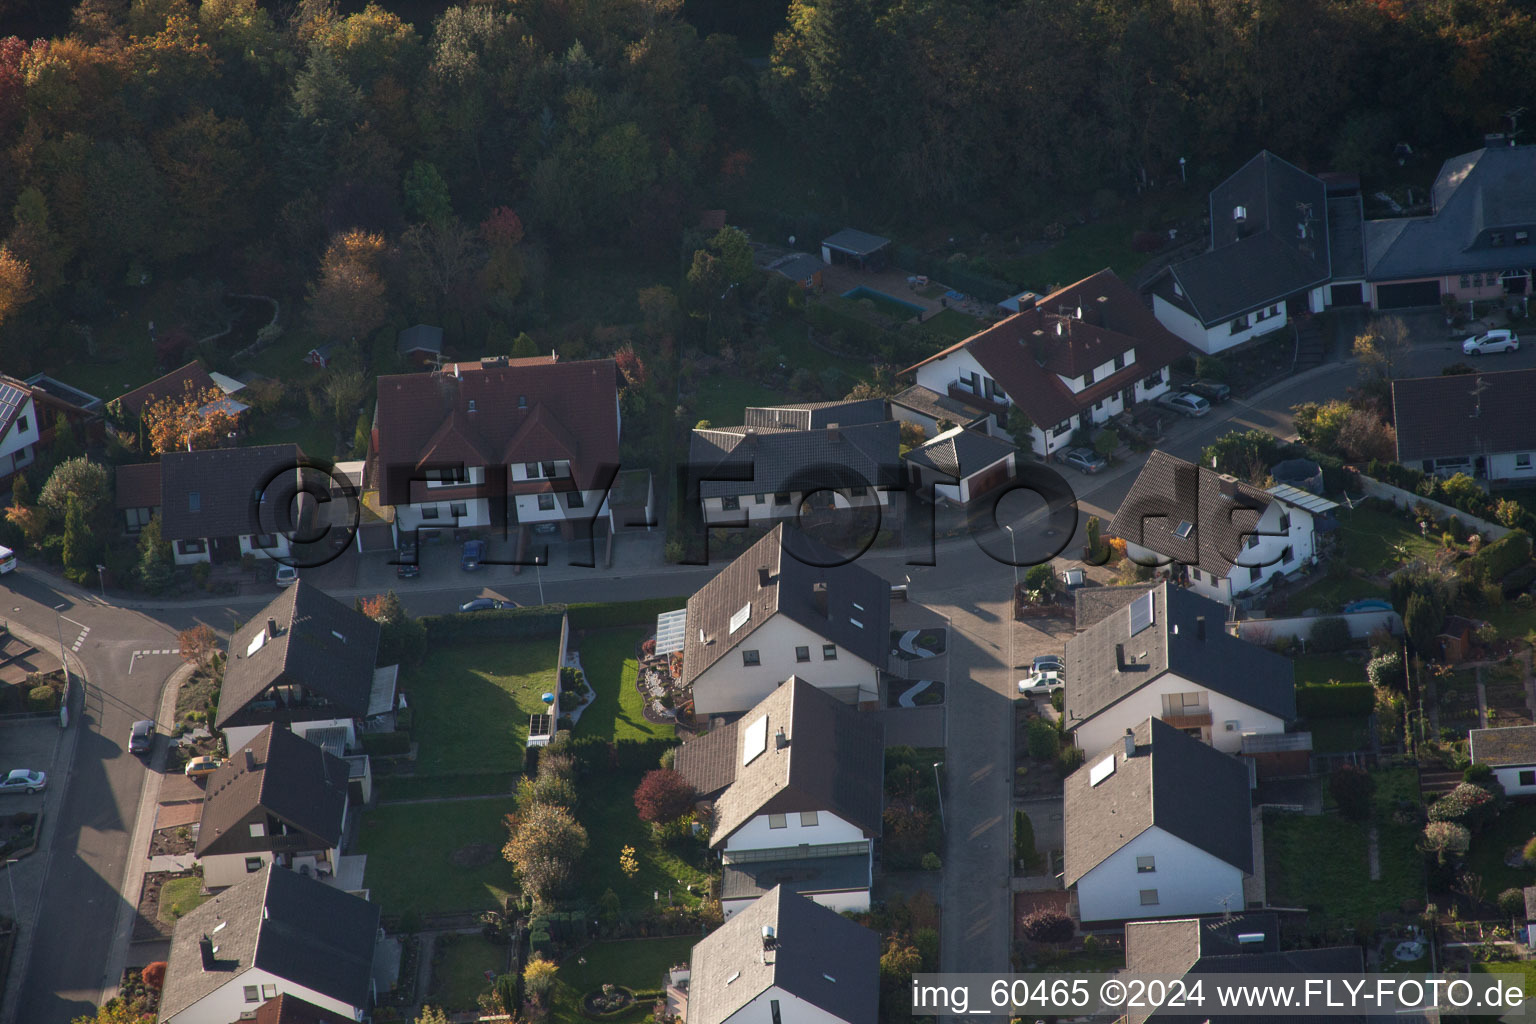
{"points": [[414, 161]]}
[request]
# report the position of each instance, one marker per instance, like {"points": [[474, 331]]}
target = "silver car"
{"points": [[1185, 404], [1084, 460]]}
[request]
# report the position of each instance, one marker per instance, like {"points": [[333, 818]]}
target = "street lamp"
{"points": [[101, 577], [939, 789], [1013, 598], [538, 571]]}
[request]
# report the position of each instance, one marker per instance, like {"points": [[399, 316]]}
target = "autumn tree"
{"points": [[538, 977], [1048, 925], [198, 644], [402, 639], [1382, 349], [15, 284], [664, 794], [116, 1011], [431, 1015], [79, 546], [544, 843], [349, 299], [197, 419]]}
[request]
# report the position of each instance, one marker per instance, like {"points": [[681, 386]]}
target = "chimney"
{"points": [[271, 628], [763, 577], [819, 597], [205, 946], [770, 937], [1130, 743], [1239, 214], [780, 741], [1228, 486], [1200, 628], [1119, 657], [250, 760], [1027, 301], [833, 433]]}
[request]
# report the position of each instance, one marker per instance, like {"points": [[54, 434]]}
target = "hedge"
{"points": [[1503, 556], [1330, 633], [385, 744], [500, 624], [1334, 700], [592, 615], [1474, 502], [594, 754]]}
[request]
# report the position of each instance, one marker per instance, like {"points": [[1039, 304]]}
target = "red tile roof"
{"points": [[1067, 333], [498, 415], [138, 485], [173, 384]]}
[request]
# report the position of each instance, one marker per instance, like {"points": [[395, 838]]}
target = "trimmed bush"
{"points": [[622, 613], [499, 624], [1386, 670], [1024, 841], [1329, 634], [1502, 557], [1334, 700], [1352, 788], [1044, 740], [42, 698], [1512, 902]]}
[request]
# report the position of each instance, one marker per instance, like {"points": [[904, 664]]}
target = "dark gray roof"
{"points": [[289, 779], [321, 644], [1346, 237], [798, 266], [421, 338], [860, 243], [304, 931], [833, 761], [1094, 604], [751, 879], [774, 460], [961, 452], [929, 403], [218, 492], [1155, 788], [1266, 258], [1465, 414], [1513, 745], [822, 957], [709, 762], [1476, 193], [1221, 662], [771, 580], [815, 415], [1169, 491]]}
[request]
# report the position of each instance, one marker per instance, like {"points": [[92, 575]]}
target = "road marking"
{"points": [[145, 654]]}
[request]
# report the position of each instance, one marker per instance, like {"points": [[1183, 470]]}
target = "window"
{"points": [[430, 512], [802, 654], [574, 499], [1087, 378], [194, 501], [191, 547], [459, 510], [1195, 573], [1285, 522], [1522, 237], [859, 492], [21, 424], [264, 540], [1477, 280], [1149, 897], [777, 821], [531, 470], [1261, 316], [751, 658], [1466, 282], [773, 1012], [1253, 574], [258, 830], [253, 993], [1153, 380], [730, 503], [546, 503], [1120, 361], [522, 401], [1252, 541], [829, 652], [1496, 238], [1146, 864], [269, 991], [781, 498], [807, 819], [1523, 461], [252, 865], [1064, 427], [1528, 777], [759, 499], [549, 469]]}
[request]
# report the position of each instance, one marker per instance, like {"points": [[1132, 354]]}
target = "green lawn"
{"points": [[608, 658], [1513, 828], [952, 324], [472, 704], [1092, 247], [1324, 668], [1340, 735], [437, 856], [1526, 969], [789, 337], [438, 787], [1330, 595], [607, 809], [639, 965], [287, 425], [461, 975], [1320, 862], [721, 399], [1376, 539], [181, 896]]}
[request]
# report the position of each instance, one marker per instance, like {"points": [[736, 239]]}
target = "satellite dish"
{"points": [[548, 698]]}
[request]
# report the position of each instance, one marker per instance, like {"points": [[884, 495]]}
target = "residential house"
{"points": [[1476, 242], [280, 799], [770, 615], [1157, 824], [1511, 753], [797, 785], [276, 933], [136, 492], [785, 459], [284, 1009], [498, 443], [421, 345], [855, 248], [935, 413], [1077, 357], [961, 465], [1232, 538], [305, 662], [1166, 655], [20, 431], [1478, 424], [82, 411], [784, 958], [127, 410], [1243, 944], [802, 268], [1268, 263], [222, 504]]}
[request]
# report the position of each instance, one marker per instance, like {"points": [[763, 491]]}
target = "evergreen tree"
{"points": [[77, 536], [154, 558]]}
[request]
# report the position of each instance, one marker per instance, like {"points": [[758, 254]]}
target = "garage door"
{"points": [[988, 479], [1404, 296], [1345, 295]]}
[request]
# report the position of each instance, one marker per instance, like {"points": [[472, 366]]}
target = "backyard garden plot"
{"points": [[472, 701], [607, 811], [639, 965], [439, 857], [459, 974], [616, 713], [1497, 849]]}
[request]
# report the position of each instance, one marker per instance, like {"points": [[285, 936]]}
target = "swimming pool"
{"points": [[888, 304]]}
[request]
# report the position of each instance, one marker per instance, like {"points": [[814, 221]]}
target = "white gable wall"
{"points": [[1509, 778], [16, 447], [791, 1008], [1187, 879], [756, 834], [228, 1002], [1221, 336], [1109, 725], [730, 685]]}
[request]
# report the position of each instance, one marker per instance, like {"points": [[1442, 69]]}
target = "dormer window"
{"points": [[1496, 238], [522, 401], [194, 501], [1522, 237]]}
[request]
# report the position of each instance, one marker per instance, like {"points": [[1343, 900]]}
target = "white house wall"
{"points": [[728, 685], [1509, 778], [1187, 879], [1221, 336], [1109, 725], [1300, 537], [761, 508], [757, 835], [225, 869], [792, 1008], [1181, 323], [1507, 466], [16, 447], [228, 1002]]}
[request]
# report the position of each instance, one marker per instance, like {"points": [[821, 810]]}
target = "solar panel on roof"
{"points": [[1101, 771], [742, 615], [1141, 613], [671, 630]]}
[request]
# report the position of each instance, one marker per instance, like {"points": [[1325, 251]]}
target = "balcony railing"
{"points": [[969, 397], [1187, 719]]}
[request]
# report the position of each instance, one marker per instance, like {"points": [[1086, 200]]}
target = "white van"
{"points": [[7, 560]]}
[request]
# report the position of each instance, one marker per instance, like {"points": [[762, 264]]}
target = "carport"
{"points": [[858, 248]]}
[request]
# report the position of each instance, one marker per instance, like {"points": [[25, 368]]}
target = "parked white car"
{"points": [[1040, 684], [1501, 339]]}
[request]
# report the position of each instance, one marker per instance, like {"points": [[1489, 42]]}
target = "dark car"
{"points": [[407, 567], [141, 739], [486, 604], [474, 554], [1211, 391]]}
